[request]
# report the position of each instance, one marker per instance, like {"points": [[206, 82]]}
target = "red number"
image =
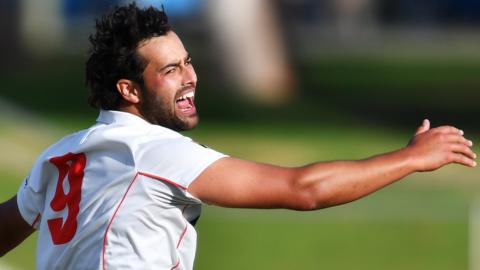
{"points": [[70, 166]]}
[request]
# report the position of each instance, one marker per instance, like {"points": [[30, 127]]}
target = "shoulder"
{"points": [[164, 144], [175, 157], [62, 145]]}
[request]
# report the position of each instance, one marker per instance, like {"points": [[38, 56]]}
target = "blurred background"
{"points": [[287, 82]]}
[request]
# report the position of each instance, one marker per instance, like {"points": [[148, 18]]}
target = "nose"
{"points": [[189, 76]]}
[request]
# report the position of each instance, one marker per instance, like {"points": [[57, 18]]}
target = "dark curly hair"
{"points": [[113, 53]]}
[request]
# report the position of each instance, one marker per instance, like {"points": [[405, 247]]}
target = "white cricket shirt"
{"points": [[114, 196]]}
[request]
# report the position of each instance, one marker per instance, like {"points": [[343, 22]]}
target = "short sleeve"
{"points": [[178, 160], [29, 202]]}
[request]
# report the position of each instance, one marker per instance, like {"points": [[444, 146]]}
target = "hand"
{"points": [[433, 148]]}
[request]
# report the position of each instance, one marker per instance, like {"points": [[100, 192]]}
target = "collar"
{"points": [[118, 117]]}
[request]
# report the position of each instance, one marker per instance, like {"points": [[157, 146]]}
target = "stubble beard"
{"points": [[160, 112]]}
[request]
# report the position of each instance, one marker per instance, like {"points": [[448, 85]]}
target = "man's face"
{"points": [[169, 83]]}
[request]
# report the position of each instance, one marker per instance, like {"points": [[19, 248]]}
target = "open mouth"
{"points": [[185, 103]]}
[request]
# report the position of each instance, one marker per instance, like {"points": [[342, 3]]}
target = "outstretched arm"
{"points": [[13, 228], [233, 182]]}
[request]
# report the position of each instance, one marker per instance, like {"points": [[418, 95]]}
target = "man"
{"points": [[126, 193]]}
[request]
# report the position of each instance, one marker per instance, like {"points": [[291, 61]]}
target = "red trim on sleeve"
{"points": [[121, 202], [35, 221], [183, 234], [162, 179], [113, 217], [156, 177], [176, 265]]}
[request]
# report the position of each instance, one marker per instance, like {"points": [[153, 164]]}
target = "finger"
{"points": [[454, 138], [449, 130], [463, 160], [424, 127], [464, 150]]}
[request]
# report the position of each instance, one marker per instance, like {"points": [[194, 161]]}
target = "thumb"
{"points": [[424, 127]]}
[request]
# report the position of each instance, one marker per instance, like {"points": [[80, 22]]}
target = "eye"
{"points": [[170, 70], [188, 61]]}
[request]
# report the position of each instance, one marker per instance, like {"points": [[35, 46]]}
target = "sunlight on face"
{"points": [[170, 81]]}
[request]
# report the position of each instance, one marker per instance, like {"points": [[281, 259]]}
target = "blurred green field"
{"points": [[348, 108], [419, 223], [387, 88]]}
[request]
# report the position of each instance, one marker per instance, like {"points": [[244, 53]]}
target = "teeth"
{"points": [[188, 95]]}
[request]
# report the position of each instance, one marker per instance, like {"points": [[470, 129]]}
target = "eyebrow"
{"points": [[175, 64]]}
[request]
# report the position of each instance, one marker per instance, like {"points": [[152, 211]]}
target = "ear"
{"points": [[128, 90]]}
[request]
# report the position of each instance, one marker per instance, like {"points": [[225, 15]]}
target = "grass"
{"points": [[349, 108], [255, 242], [385, 88], [419, 223], [405, 226], [22, 257]]}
